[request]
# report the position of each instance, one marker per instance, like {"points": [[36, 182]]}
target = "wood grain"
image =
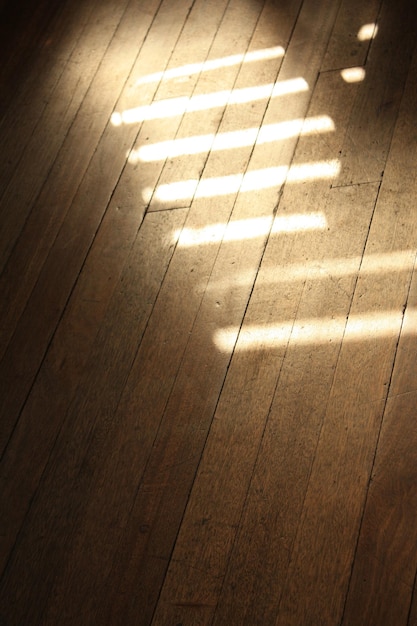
{"points": [[345, 451], [373, 118], [57, 502], [41, 120], [382, 582], [53, 272], [208, 311]]}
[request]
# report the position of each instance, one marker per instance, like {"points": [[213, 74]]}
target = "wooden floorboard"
{"points": [[43, 118], [385, 563], [208, 313], [97, 396], [91, 158], [345, 48], [298, 393], [373, 118]]}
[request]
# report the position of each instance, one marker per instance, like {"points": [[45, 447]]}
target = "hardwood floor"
{"points": [[208, 329]]}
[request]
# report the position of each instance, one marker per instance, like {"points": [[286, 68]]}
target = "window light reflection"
{"points": [[213, 64], [313, 171], [337, 268], [251, 181], [310, 331], [353, 74], [368, 31], [233, 139], [249, 228], [189, 104]]}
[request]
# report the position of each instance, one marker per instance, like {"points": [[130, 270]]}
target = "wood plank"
{"points": [[152, 339], [215, 421], [323, 270], [75, 231], [154, 76], [146, 397], [323, 551], [385, 564], [85, 311], [412, 619], [195, 544], [210, 525], [373, 118], [48, 209], [404, 380], [70, 348], [386, 561], [37, 84], [36, 127], [349, 42], [292, 73], [64, 367], [32, 567], [68, 353], [171, 468]]}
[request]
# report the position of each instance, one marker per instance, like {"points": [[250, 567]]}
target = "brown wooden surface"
{"points": [[208, 327]]}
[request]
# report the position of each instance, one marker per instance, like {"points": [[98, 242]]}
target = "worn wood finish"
{"points": [[385, 562], [208, 313]]}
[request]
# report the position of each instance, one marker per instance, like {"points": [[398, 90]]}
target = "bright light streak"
{"points": [[213, 64], [310, 331], [368, 31], [353, 74], [188, 104], [313, 171], [297, 222], [251, 181], [336, 268], [249, 229], [233, 139]]}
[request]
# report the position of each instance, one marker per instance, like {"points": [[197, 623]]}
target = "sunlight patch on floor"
{"points": [[232, 139], [213, 64], [251, 181], [368, 31], [250, 228], [353, 74], [363, 327], [319, 270], [202, 102]]}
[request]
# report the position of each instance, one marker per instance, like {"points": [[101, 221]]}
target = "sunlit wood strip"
{"points": [[252, 180], [313, 331], [203, 102], [232, 139], [214, 64], [317, 269], [240, 230]]}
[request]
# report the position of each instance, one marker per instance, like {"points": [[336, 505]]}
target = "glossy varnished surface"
{"points": [[208, 313]]}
